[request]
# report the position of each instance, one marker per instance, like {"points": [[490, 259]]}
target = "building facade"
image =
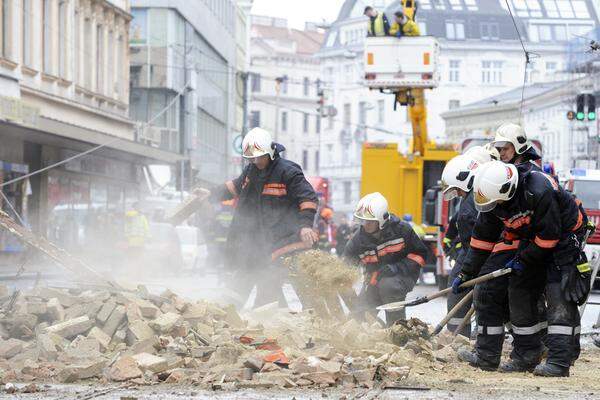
{"points": [[183, 61], [284, 85], [481, 56], [64, 88]]}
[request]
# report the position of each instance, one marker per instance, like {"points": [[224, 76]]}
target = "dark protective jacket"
{"points": [[397, 243], [273, 205], [540, 211], [461, 225]]}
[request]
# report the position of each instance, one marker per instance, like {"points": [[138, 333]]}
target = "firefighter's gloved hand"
{"points": [[390, 270], [575, 282], [459, 280], [516, 265], [308, 236]]}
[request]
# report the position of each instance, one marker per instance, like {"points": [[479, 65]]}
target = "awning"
{"points": [[63, 135]]}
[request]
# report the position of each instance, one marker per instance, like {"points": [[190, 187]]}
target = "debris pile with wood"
{"points": [[59, 335]]}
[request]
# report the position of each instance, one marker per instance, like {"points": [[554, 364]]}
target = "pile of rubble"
{"points": [[59, 335]]}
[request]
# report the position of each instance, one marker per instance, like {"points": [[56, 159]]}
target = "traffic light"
{"points": [[591, 107], [580, 114]]}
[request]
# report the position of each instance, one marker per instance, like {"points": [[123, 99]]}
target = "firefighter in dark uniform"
{"points": [[491, 298], [274, 217], [389, 250], [457, 181], [530, 207]]}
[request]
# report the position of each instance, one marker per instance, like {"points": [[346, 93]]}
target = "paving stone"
{"points": [[138, 331], [11, 347], [113, 322], [105, 311], [150, 362], [72, 327], [55, 310], [124, 369], [165, 322]]}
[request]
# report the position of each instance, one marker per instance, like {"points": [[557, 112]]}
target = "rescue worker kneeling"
{"points": [[389, 250]]}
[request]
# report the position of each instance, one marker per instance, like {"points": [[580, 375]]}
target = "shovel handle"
{"points": [[466, 320], [468, 297]]}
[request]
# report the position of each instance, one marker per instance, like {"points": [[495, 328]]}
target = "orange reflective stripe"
{"points": [[308, 205], [231, 187], [267, 191], [482, 244], [416, 258], [501, 246], [545, 244], [373, 280], [369, 260], [390, 249], [288, 249], [579, 221]]}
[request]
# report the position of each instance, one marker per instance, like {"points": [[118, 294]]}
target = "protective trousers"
{"points": [[564, 326], [525, 290], [389, 289], [490, 300], [453, 299]]}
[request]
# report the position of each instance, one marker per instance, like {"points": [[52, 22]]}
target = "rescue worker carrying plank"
{"points": [[457, 181], [390, 251], [274, 217], [530, 207]]}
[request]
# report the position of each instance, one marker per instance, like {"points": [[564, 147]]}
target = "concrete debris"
{"points": [[72, 335]]}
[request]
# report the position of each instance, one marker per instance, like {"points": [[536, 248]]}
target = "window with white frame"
{"points": [[551, 67], [454, 70], [489, 31], [347, 192], [63, 9], [305, 122], [455, 30], [306, 86], [304, 159], [349, 73], [47, 36], [491, 72], [255, 82], [453, 103], [284, 121], [5, 27]]}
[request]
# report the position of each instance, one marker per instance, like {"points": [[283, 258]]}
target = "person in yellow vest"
{"points": [[404, 26], [137, 230], [378, 22]]}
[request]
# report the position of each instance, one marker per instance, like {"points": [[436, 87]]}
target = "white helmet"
{"points": [[256, 143], [482, 154], [511, 133], [372, 207], [459, 173], [494, 182]]}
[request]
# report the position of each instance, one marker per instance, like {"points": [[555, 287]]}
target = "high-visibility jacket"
{"points": [[379, 25], [410, 28], [136, 228]]}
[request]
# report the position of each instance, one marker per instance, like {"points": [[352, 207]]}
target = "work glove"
{"points": [[576, 282], [459, 280], [390, 270], [516, 265]]}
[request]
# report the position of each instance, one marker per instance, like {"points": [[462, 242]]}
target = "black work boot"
{"points": [[471, 357], [516, 366], [551, 370]]}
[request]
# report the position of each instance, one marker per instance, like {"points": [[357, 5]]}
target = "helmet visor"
{"points": [[484, 204]]}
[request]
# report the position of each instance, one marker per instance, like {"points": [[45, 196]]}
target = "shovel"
{"points": [[468, 297], [422, 300], [466, 320]]}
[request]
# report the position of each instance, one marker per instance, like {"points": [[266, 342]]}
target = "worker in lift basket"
{"points": [[404, 26], [378, 22], [389, 250]]}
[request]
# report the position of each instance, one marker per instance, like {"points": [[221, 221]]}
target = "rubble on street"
{"points": [[71, 335]]}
